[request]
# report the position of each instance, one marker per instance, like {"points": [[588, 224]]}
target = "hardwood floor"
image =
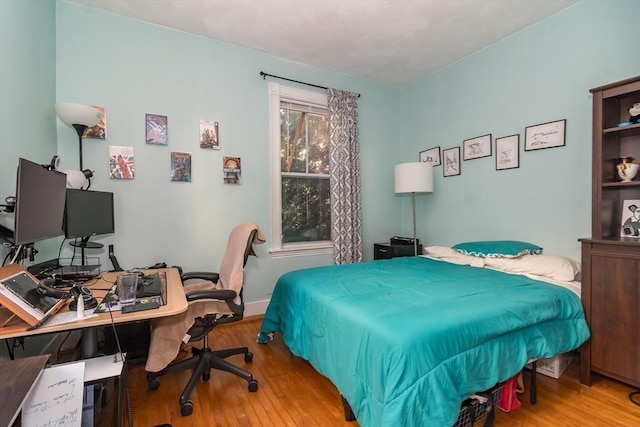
{"points": [[292, 393]]}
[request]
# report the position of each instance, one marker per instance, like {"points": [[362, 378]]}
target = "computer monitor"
{"points": [[88, 213], [40, 198]]}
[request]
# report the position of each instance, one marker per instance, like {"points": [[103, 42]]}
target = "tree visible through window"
{"points": [[304, 169]]}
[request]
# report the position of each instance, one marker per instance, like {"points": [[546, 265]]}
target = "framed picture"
{"points": [[156, 129], [475, 148], [630, 221], [451, 160], [508, 152], [545, 135], [432, 155]]}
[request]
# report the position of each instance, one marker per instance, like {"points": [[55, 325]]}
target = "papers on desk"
{"points": [[68, 317]]}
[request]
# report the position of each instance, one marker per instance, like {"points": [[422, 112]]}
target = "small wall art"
{"points": [[477, 147], [508, 152], [209, 134], [432, 155], [231, 167], [121, 162], [180, 166], [98, 131], [451, 160], [545, 135], [156, 129]]}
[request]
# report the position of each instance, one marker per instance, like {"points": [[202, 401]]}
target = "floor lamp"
{"points": [[80, 117], [414, 178]]}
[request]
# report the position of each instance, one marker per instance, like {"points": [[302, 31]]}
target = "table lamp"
{"points": [[415, 177]]}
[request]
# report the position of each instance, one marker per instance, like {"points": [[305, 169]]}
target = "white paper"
{"points": [[56, 399]]}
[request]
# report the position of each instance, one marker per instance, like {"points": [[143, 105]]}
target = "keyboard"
{"points": [[76, 271]]}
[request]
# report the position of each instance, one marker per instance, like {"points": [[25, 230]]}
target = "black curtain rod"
{"points": [[265, 75]]}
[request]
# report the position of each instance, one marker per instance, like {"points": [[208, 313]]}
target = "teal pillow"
{"points": [[498, 249]]}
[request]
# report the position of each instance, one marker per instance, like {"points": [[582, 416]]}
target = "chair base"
{"points": [[201, 364]]}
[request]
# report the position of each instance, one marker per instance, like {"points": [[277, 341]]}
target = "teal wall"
{"points": [[133, 68], [57, 51], [543, 73], [27, 92]]}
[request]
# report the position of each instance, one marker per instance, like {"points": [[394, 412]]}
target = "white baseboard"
{"points": [[257, 308]]}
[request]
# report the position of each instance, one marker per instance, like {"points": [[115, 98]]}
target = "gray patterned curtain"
{"points": [[344, 176]]}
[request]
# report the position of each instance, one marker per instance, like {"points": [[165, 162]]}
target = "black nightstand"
{"points": [[387, 251]]}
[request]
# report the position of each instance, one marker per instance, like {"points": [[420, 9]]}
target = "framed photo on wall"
{"points": [[451, 160], [630, 220], [432, 155], [508, 152], [545, 135], [475, 148]]}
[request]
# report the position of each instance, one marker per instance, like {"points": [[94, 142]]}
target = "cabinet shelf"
{"points": [[620, 184], [630, 130]]}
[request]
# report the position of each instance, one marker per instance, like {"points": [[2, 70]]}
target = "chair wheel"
{"points": [[153, 384], [186, 408], [206, 376], [248, 357], [253, 386]]}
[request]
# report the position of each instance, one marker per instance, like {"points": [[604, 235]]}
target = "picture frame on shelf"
{"points": [[432, 155], [545, 135], [630, 220], [477, 147], [451, 161], [508, 152]]}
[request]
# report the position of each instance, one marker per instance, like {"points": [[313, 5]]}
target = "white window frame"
{"points": [[277, 95]]}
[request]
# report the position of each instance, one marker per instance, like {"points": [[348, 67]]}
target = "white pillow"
{"points": [[451, 255], [551, 266]]}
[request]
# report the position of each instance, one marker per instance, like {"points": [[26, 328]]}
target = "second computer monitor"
{"points": [[88, 213]]}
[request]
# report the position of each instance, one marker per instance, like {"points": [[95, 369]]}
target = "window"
{"points": [[300, 195]]}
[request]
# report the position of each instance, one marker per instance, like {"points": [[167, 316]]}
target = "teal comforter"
{"points": [[406, 340]]}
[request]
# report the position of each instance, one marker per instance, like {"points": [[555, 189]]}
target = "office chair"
{"points": [[226, 301]]}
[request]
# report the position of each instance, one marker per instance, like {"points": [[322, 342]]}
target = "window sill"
{"points": [[301, 250]]}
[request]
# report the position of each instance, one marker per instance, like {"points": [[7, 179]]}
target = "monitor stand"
{"points": [[83, 244]]}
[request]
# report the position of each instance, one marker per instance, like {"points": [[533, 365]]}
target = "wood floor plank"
{"points": [[292, 394]]}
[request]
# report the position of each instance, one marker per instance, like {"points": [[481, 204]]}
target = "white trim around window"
{"points": [[277, 95]]}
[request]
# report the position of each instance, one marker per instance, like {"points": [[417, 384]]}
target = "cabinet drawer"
{"points": [[386, 251]]}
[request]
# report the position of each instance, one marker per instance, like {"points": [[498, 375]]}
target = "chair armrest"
{"points": [[203, 275], [219, 294]]}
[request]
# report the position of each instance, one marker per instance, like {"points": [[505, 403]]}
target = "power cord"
{"points": [[632, 397]]}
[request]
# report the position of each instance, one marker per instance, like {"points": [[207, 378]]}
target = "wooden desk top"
{"points": [[176, 303]]}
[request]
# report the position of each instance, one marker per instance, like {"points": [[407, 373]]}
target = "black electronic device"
{"points": [[149, 285], [397, 240], [140, 307], [40, 199], [88, 213]]}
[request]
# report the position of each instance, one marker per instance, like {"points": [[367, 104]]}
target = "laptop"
{"points": [[76, 271]]}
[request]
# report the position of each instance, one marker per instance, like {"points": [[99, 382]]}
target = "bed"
{"points": [[407, 340]]}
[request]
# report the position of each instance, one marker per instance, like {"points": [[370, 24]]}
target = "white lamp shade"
{"points": [[416, 177], [78, 114], [75, 178]]}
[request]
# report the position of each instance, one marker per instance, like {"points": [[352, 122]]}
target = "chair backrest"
{"points": [[239, 247]]}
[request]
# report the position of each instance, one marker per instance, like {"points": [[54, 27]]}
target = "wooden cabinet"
{"points": [[610, 262], [611, 299]]}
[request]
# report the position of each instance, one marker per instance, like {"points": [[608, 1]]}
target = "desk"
{"points": [[176, 303]]}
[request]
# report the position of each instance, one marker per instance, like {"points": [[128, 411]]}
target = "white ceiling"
{"points": [[390, 41]]}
